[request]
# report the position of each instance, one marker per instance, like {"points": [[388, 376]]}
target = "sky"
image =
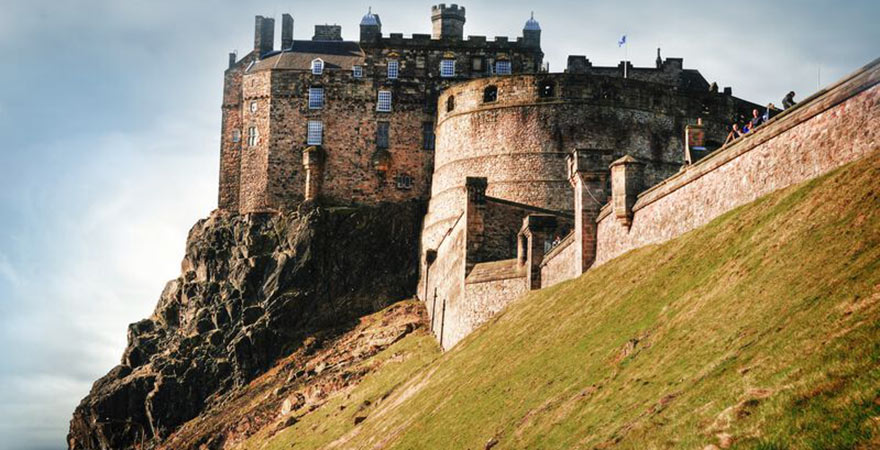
{"points": [[110, 122]]}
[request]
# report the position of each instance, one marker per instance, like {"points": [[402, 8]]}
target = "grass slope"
{"points": [[759, 330]]}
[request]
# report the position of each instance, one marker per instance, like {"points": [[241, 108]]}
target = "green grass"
{"points": [[759, 330]]}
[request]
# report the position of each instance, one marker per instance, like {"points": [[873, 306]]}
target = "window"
{"points": [[447, 68], [357, 71], [316, 97], [428, 135], [477, 64], [316, 133], [253, 106], [236, 135], [382, 131], [450, 103], [420, 62], [502, 68], [490, 94], [384, 101], [317, 66], [253, 136], [404, 181], [546, 89], [393, 69]]}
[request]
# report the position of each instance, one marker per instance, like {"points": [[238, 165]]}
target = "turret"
{"points": [[448, 21], [532, 33], [286, 32], [264, 35], [371, 27]]}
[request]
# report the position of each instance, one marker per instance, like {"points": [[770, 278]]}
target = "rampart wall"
{"points": [[837, 125]]}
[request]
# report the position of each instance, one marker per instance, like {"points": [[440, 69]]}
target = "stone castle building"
{"points": [[531, 177]]}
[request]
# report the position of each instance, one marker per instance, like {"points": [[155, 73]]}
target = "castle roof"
{"points": [[335, 54], [532, 24], [371, 19]]}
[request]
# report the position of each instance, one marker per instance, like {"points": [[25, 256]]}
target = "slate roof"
{"points": [[336, 55]]}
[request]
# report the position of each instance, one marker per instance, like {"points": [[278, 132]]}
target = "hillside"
{"points": [[759, 330]]}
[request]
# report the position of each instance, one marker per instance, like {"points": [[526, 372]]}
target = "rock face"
{"points": [[252, 289]]}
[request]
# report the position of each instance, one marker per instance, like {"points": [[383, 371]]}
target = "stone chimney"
{"points": [[327, 33], [286, 32], [264, 35]]}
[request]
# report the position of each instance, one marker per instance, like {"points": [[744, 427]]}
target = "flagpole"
{"points": [[625, 57]]}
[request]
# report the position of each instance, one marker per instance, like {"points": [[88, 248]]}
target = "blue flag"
{"points": [[621, 41]]}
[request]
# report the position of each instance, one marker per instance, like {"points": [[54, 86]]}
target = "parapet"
{"points": [[327, 33]]}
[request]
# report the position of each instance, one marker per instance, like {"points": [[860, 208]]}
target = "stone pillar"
{"points": [[475, 213], [626, 184], [588, 175], [535, 231], [313, 162]]}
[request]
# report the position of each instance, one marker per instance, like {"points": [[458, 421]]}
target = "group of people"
{"points": [[737, 130]]}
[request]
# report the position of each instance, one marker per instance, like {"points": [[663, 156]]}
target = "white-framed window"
{"points": [[357, 71], [317, 66], [316, 133], [253, 106], [236, 135], [404, 181], [447, 68], [502, 67], [393, 69], [253, 136], [316, 97], [383, 103]]}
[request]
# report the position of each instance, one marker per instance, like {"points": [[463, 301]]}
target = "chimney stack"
{"points": [[286, 32], [264, 35]]}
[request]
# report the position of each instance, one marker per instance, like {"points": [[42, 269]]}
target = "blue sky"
{"points": [[110, 116]]}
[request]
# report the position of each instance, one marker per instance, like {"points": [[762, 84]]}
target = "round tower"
{"points": [[532, 33], [448, 21]]}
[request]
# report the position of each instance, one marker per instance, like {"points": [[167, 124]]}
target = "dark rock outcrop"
{"points": [[252, 289]]}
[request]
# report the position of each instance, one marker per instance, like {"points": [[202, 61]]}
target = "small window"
{"points": [[490, 94], [447, 68], [236, 135], [502, 68], [404, 182], [253, 106], [253, 136], [316, 97], [393, 69], [428, 135], [384, 101], [546, 89], [477, 64], [450, 103], [357, 71], [317, 66], [383, 129], [315, 133]]}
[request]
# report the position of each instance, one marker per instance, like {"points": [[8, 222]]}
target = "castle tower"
{"points": [[371, 27], [448, 21], [264, 35], [532, 33]]}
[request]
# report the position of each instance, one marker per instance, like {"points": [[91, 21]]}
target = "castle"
{"points": [[531, 177]]}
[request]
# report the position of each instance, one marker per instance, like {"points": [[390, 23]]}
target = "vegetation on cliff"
{"points": [[760, 330]]}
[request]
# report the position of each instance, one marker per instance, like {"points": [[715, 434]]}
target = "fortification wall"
{"points": [[838, 125], [442, 283], [519, 141], [559, 263]]}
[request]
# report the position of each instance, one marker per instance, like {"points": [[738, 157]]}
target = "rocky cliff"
{"points": [[253, 289]]}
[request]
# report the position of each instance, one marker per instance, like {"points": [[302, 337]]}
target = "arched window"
{"points": [[546, 89], [317, 66], [490, 94], [450, 103]]}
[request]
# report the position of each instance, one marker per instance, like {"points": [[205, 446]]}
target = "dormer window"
{"points": [[357, 71], [317, 66], [502, 67], [393, 69], [316, 97], [447, 68]]}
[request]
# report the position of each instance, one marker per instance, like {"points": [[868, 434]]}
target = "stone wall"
{"points": [[559, 264], [838, 125], [442, 283]]}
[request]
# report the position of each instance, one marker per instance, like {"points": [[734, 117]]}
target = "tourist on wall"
{"points": [[788, 100]]}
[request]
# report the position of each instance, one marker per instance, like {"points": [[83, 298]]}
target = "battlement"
{"points": [[448, 22], [452, 10]]}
